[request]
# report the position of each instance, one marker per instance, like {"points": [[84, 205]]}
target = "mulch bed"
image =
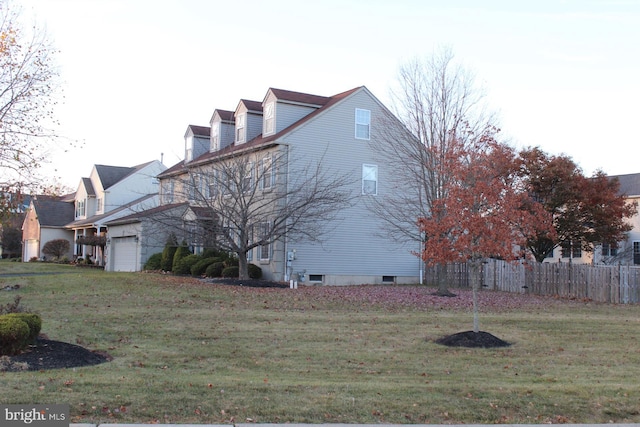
{"points": [[473, 340], [48, 354]]}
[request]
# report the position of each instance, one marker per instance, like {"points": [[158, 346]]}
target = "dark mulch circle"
{"points": [[48, 354], [252, 283], [472, 339]]}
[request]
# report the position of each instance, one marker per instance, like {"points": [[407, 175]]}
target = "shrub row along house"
{"points": [[286, 183]]}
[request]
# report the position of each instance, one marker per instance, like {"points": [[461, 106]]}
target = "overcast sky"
{"points": [[564, 75]]}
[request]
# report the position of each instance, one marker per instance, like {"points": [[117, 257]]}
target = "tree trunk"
{"points": [[475, 283], [243, 266]]}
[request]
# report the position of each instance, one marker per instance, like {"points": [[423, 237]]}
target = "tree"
{"points": [[250, 199], [585, 211], [27, 87], [483, 212], [440, 105], [11, 241], [56, 248]]}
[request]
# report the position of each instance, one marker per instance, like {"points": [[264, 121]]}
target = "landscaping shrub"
{"points": [[255, 272], [232, 271], [231, 262], [183, 265], [154, 262], [181, 252], [56, 248], [199, 268], [33, 321], [14, 335], [168, 252], [215, 269]]}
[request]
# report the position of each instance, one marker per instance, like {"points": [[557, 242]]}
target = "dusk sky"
{"points": [[563, 75]]}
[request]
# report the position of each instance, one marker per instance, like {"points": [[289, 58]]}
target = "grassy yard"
{"points": [[185, 351]]}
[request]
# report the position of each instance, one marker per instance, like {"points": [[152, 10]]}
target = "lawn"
{"points": [[186, 351]]}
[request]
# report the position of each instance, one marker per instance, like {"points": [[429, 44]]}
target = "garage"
{"points": [[31, 250], [124, 253]]}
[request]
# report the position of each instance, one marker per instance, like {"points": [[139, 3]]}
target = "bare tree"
{"points": [[248, 200], [438, 102], [27, 85]]}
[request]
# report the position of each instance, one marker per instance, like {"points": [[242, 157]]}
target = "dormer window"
{"points": [[240, 125], [215, 136], [269, 121]]}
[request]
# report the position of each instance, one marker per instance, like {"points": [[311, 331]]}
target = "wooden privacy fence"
{"points": [[619, 284]]}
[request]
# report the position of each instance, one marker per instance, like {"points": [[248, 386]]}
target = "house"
{"points": [[626, 252], [108, 193], [45, 220], [336, 132]]}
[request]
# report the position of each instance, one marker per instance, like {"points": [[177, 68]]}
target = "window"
{"points": [[269, 121], [215, 136], [266, 175], [636, 253], [263, 233], [212, 182], [571, 249], [240, 128], [363, 123], [167, 192], [316, 277], [370, 179], [80, 208], [99, 204], [247, 180], [609, 249]]}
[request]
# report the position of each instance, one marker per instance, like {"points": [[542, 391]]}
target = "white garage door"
{"points": [[124, 253], [30, 250]]}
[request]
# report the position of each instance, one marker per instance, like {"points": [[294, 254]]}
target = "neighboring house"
{"points": [[626, 252], [45, 220], [341, 131], [108, 193]]}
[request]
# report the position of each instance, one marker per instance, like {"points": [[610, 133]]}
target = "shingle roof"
{"points": [[629, 184], [299, 97], [261, 141], [139, 216], [53, 212], [200, 130], [110, 175], [88, 186], [252, 105]]}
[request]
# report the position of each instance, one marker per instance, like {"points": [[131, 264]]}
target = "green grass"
{"points": [[189, 352]]}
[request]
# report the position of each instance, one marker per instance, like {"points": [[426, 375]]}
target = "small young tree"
{"points": [[483, 212], [56, 248]]}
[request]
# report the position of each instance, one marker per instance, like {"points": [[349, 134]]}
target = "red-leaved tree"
{"points": [[484, 211]]}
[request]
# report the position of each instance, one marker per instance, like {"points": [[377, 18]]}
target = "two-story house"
{"points": [[337, 132]]}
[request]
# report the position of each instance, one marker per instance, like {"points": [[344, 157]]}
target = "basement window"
{"points": [[388, 279], [315, 277]]}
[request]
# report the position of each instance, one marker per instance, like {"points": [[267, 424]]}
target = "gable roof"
{"points": [[52, 211], [199, 130], [88, 186], [149, 213], [260, 141], [105, 217], [110, 175], [252, 106], [629, 184]]}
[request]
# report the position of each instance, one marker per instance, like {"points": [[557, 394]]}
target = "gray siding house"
{"points": [[339, 132]]}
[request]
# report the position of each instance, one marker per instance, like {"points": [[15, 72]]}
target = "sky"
{"points": [[563, 75]]}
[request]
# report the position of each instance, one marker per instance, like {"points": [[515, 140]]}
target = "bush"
{"points": [[183, 265], [56, 248], [255, 272], [14, 335], [232, 271], [231, 262], [154, 262], [199, 268], [181, 252], [33, 321], [168, 252], [215, 269]]}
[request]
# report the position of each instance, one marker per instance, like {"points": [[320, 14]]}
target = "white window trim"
{"points": [[270, 119], [240, 125], [371, 167], [366, 123]]}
